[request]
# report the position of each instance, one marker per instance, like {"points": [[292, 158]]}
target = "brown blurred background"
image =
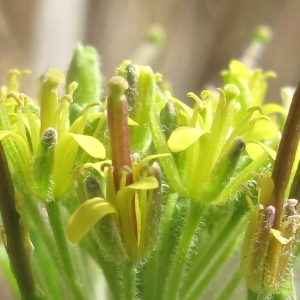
{"points": [[201, 37]]}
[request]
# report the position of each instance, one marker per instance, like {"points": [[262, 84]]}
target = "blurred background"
{"points": [[200, 38]]}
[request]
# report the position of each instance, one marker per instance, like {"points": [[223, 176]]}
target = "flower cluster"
{"points": [[134, 177]]}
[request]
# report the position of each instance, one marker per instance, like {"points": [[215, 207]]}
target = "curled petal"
{"points": [[86, 216]]}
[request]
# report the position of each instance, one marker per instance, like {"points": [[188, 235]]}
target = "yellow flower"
{"points": [[130, 211]]}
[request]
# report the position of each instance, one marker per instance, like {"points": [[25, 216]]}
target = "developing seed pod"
{"points": [[43, 165]]}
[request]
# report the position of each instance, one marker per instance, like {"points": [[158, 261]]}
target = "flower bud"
{"points": [[266, 252], [222, 171], [43, 164], [168, 119], [84, 69]]}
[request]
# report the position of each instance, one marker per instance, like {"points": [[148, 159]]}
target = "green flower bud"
{"points": [[146, 97], [131, 76], [168, 119], [92, 187], [85, 70], [222, 171], [43, 164]]}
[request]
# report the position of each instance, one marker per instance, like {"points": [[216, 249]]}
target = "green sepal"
{"points": [[168, 119], [131, 75], [43, 165], [109, 239], [153, 210], [92, 187], [222, 172], [168, 163], [146, 97]]}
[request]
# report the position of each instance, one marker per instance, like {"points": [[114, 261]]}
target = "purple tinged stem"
{"points": [[286, 155]]}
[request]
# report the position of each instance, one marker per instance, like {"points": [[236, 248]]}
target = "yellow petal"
{"points": [[86, 216], [90, 145], [255, 148], [271, 108], [238, 68], [143, 162], [266, 194], [148, 183], [279, 237], [132, 123], [183, 137]]}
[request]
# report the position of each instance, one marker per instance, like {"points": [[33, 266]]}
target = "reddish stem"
{"points": [[286, 155]]}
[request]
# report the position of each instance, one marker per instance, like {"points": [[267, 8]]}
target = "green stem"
{"points": [[154, 277], [226, 294], [180, 257], [128, 281], [110, 269], [243, 176], [160, 144], [67, 267], [40, 226], [16, 235], [213, 269], [224, 237]]}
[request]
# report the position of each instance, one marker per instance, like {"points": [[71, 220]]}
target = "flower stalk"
{"points": [[17, 241]]}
